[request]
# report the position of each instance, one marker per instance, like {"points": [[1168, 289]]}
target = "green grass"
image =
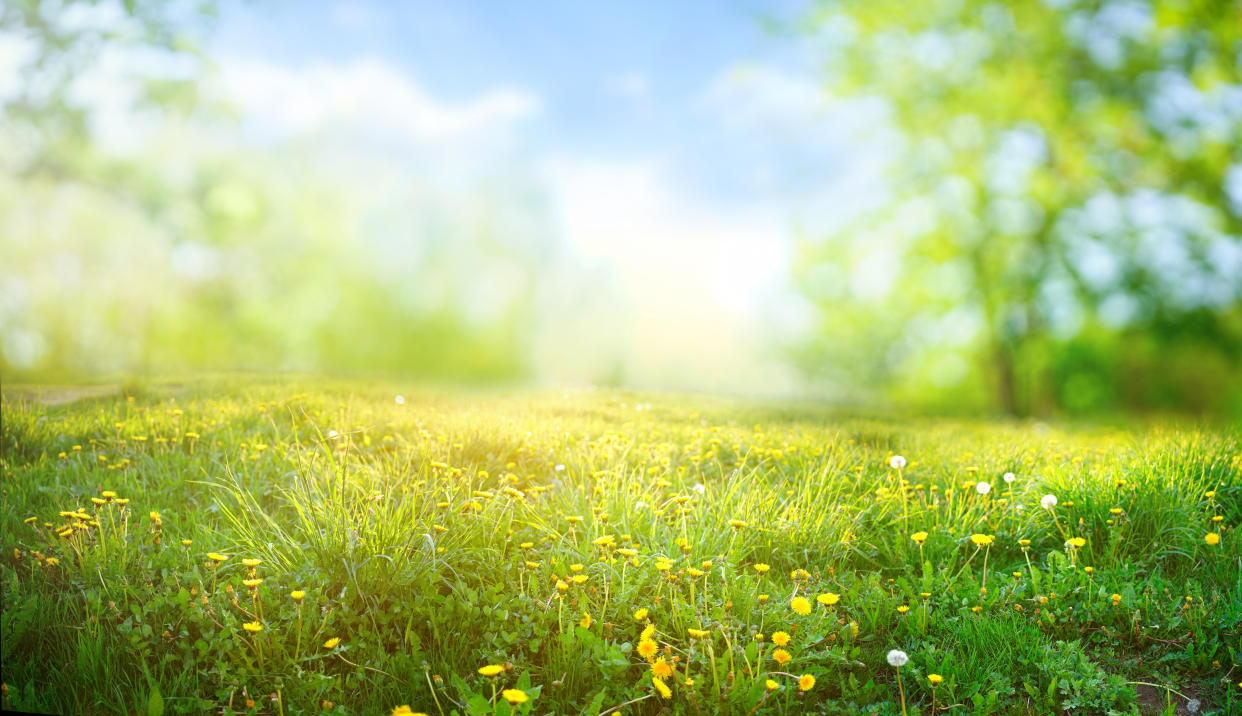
{"points": [[397, 523]]}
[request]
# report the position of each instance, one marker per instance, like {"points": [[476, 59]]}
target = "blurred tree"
{"points": [[60, 40], [1063, 210], [145, 234]]}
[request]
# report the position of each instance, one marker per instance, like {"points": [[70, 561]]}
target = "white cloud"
{"points": [[765, 96], [368, 94]]}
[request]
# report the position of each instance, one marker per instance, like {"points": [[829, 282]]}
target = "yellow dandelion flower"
{"points": [[902, 609], [806, 682], [919, 537], [780, 638], [297, 595], [647, 648], [665, 691], [762, 568], [585, 622], [252, 583], [737, 524], [697, 633], [800, 605], [514, 696], [491, 669], [640, 615], [771, 685], [982, 540], [1075, 542], [216, 556], [253, 627], [331, 643], [781, 656], [935, 679], [1212, 538], [662, 668], [828, 599]]}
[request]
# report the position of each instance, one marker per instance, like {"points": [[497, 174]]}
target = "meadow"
{"points": [[278, 547]]}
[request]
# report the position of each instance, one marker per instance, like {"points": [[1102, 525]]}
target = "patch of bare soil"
{"points": [[1152, 700]]}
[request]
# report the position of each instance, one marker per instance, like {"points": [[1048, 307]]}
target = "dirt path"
{"points": [[58, 394]]}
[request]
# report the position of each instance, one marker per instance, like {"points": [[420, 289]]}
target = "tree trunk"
{"points": [[1006, 390]]}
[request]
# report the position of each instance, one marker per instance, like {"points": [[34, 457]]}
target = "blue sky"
{"points": [[614, 77]]}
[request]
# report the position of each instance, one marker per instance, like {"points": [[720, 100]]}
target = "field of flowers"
{"points": [[281, 548]]}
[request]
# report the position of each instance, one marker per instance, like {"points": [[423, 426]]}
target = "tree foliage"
{"points": [[1062, 218]]}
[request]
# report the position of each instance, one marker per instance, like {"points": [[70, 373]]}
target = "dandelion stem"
{"points": [[901, 690], [297, 651], [627, 703], [432, 688]]}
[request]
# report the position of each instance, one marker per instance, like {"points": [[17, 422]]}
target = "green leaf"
{"points": [[155, 702]]}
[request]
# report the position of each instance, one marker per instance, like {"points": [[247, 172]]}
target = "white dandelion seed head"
{"points": [[1048, 502], [332, 433], [897, 658], [897, 462], [640, 505], [699, 488], [1010, 477], [1193, 705], [983, 488], [400, 400], [560, 468]]}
